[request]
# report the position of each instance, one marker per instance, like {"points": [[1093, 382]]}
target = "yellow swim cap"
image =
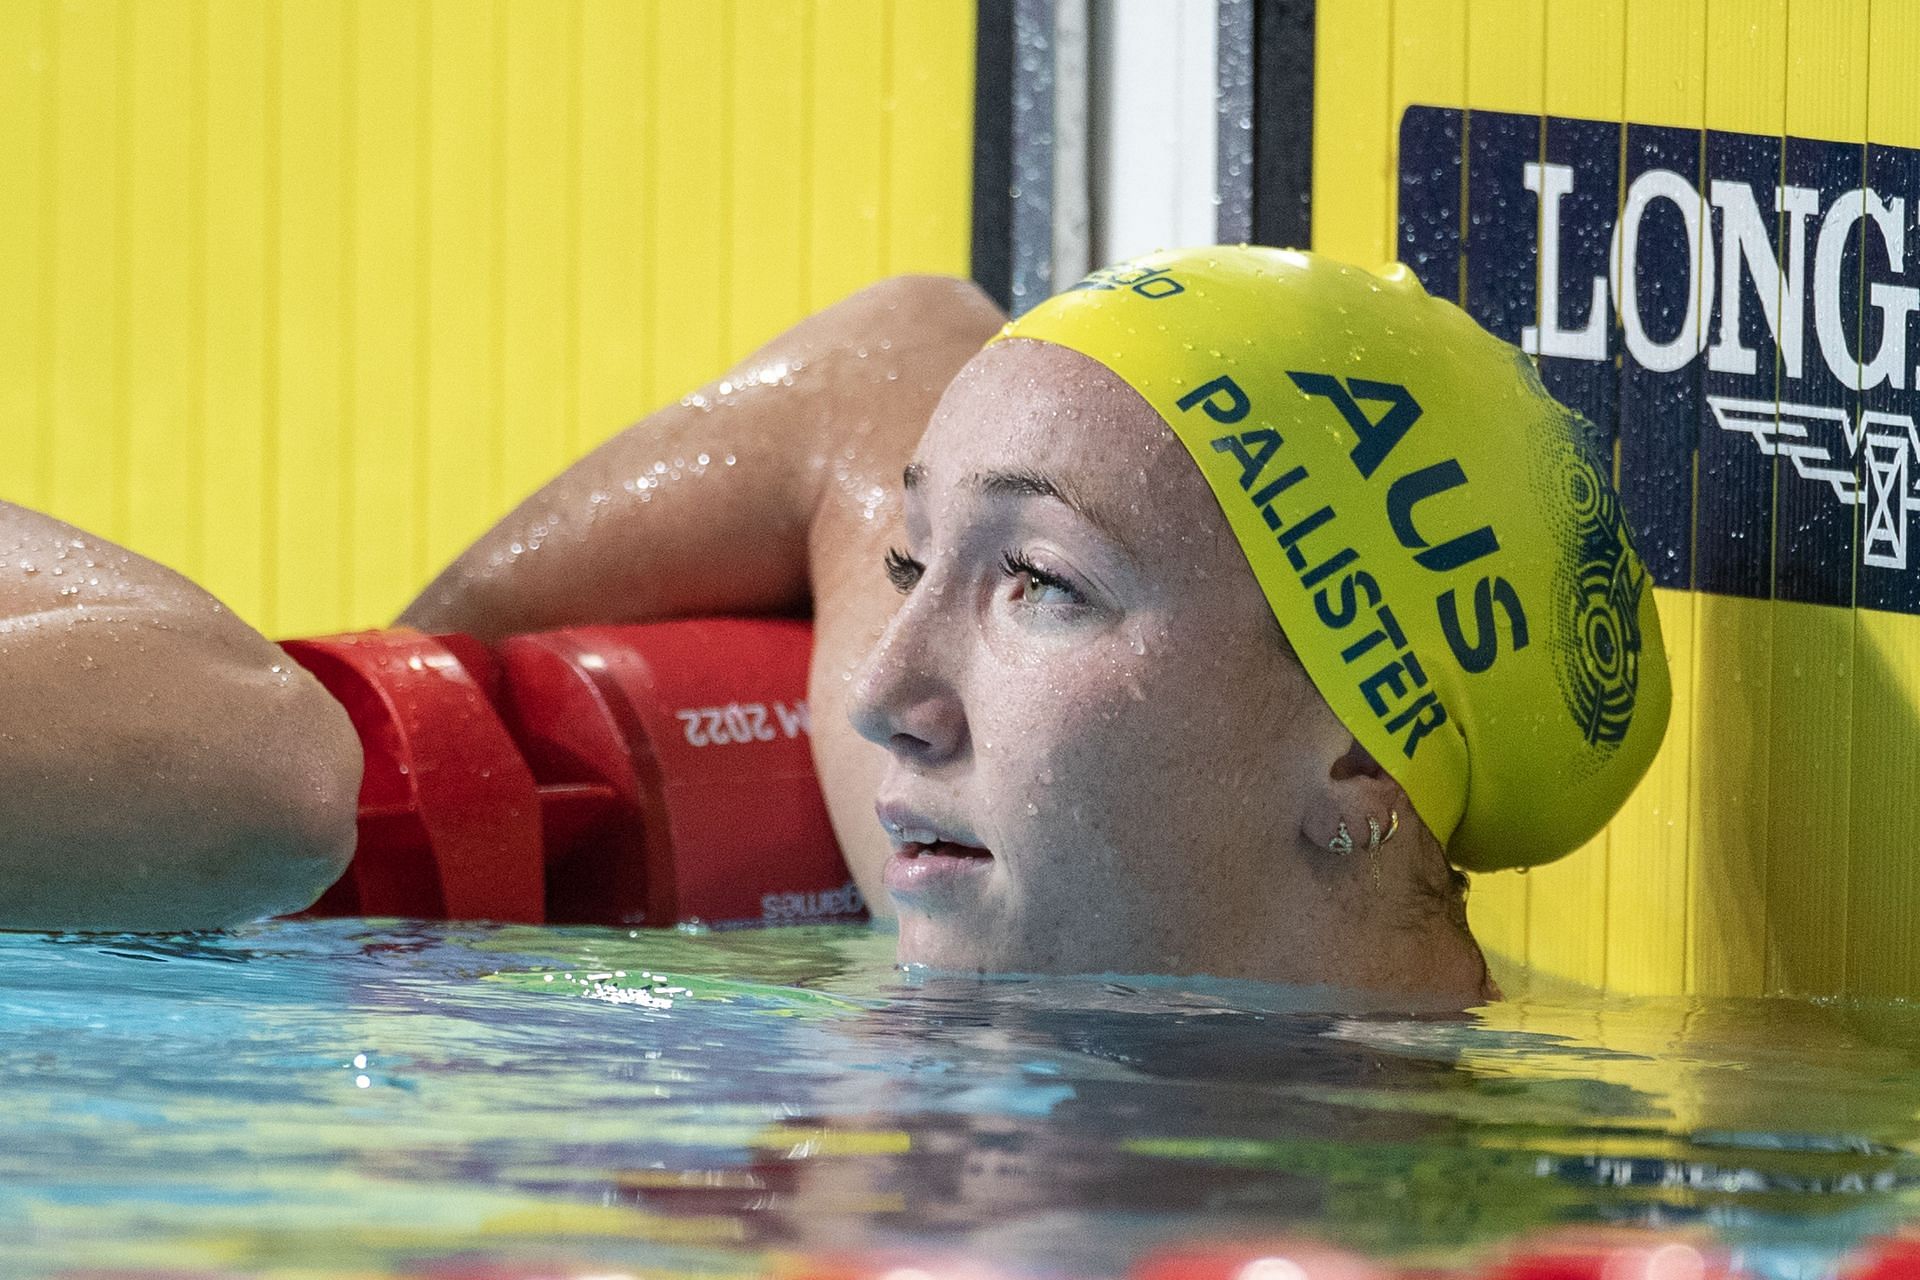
{"points": [[1439, 538]]}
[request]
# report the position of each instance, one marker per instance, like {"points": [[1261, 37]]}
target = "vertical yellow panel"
{"points": [[1883, 886], [1585, 58], [1567, 918], [616, 171], [767, 163], [238, 256], [1662, 52], [1644, 895], [930, 147], [26, 81], [848, 147], [1745, 92], [1809, 730], [314, 189], [1352, 129], [462, 402], [1505, 71], [87, 259], [162, 460], [1506, 55], [386, 313], [691, 142], [1648, 922], [1648, 906], [539, 321]]}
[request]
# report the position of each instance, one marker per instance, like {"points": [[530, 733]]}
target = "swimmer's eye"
{"points": [[903, 571], [1034, 581]]}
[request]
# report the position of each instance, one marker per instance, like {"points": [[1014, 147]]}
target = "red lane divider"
{"points": [[651, 774], [1892, 1259], [1284, 1259], [1555, 1256]]}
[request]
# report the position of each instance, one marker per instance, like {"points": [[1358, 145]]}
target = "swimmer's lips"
{"points": [[939, 868], [927, 854]]}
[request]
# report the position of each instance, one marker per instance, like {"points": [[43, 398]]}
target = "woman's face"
{"points": [[1098, 748]]}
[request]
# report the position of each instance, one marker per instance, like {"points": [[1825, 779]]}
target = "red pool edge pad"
{"points": [[655, 774]]}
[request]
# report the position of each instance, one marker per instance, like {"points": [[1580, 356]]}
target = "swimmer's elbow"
{"points": [[934, 302], [289, 828], [318, 802], [213, 784], [934, 321]]}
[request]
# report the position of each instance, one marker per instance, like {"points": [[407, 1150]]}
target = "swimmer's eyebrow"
{"points": [[1023, 483], [1035, 484]]}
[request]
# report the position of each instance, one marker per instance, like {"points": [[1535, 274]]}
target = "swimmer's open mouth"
{"points": [[942, 849], [917, 834]]}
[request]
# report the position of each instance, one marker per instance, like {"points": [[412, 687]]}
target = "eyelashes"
{"points": [[903, 571], [1025, 571]]}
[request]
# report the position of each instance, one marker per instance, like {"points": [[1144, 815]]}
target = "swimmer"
{"points": [[1226, 607], [162, 765]]}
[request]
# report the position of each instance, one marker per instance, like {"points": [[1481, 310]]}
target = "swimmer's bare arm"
{"points": [[795, 503], [162, 765]]}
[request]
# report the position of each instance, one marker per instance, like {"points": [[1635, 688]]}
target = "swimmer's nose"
{"points": [[903, 697]]}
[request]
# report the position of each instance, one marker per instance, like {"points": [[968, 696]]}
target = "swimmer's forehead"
{"points": [[1032, 421]]}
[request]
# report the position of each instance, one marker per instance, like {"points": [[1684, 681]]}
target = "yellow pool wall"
{"points": [[297, 298]]}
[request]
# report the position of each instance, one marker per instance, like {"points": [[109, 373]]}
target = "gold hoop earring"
{"points": [[1342, 842], [1393, 825]]}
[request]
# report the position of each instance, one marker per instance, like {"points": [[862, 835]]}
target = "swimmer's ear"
{"points": [[1354, 790]]}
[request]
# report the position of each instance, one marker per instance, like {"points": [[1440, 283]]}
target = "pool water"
{"points": [[346, 1098]]}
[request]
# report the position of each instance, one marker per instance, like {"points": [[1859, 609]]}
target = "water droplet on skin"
{"points": [[1032, 808]]}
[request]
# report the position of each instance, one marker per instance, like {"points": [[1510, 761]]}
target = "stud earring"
{"points": [[1342, 842]]}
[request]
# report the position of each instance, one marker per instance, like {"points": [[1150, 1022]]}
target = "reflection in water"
{"points": [[338, 1097]]}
